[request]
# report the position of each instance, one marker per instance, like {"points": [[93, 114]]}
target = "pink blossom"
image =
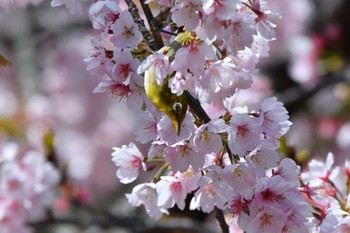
{"points": [[137, 96], [145, 194], [242, 178], [206, 138], [271, 191], [186, 13], [320, 172], [210, 29], [167, 132], [333, 215], [156, 150], [207, 197], [170, 192], [222, 9], [263, 19], [265, 157], [266, 220], [218, 176], [189, 179], [161, 63], [223, 78], [288, 170], [103, 14], [260, 46], [97, 60], [182, 156], [125, 65], [303, 68], [219, 81], [129, 161], [146, 129], [26, 189], [344, 226], [12, 216], [244, 133], [239, 206], [182, 81], [274, 119], [193, 57], [239, 35], [117, 90], [125, 31]]}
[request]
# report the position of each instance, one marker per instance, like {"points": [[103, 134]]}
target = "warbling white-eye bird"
{"points": [[174, 106]]}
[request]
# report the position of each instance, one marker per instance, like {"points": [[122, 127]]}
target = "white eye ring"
{"points": [[177, 107]]}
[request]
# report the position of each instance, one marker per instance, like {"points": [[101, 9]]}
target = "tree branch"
{"points": [[196, 107], [139, 21], [219, 215], [149, 16]]}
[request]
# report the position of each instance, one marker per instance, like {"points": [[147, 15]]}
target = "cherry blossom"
{"points": [[125, 65], [182, 156], [103, 14], [26, 188], [145, 194], [193, 57], [244, 133], [174, 189], [161, 63], [167, 132], [129, 160], [320, 172], [229, 162], [186, 13], [146, 128], [206, 198], [206, 138], [267, 219], [275, 119], [125, 31]]}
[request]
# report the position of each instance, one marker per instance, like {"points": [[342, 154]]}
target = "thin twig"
{"points": [[141, 24], [219, 215], [149, 16], [196, 107]]}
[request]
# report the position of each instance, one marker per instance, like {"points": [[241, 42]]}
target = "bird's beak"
{"points": [[177, 126]]}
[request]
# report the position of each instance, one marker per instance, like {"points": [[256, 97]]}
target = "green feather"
{"points": [[174, 106]]}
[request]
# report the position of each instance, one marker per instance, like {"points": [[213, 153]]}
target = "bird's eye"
{"points": [[177, 107]]}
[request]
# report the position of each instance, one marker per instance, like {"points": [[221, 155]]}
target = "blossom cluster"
{"points": [[27, 182], [228, 162], [327, 190]]}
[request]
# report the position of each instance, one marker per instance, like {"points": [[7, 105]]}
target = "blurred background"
{"points": [[47, 96]]}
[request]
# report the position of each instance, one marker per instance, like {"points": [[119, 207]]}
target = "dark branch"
{"points": [[157, 36], [139, 21], [196, 107], [219, 215]]}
